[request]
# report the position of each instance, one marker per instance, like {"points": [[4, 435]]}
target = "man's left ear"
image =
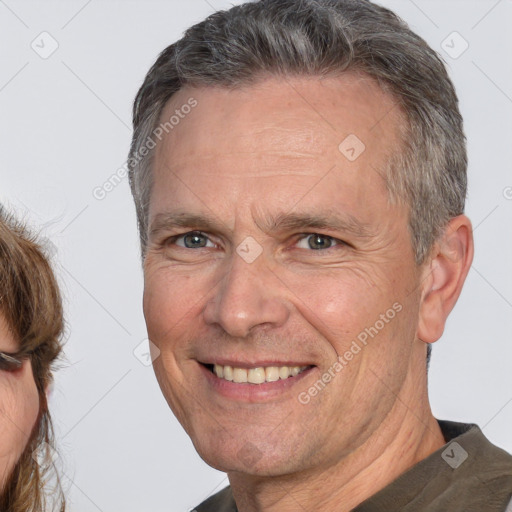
{"points": [[443, 277]]}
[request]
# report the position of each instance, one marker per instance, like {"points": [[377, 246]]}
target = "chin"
{"points": [[243, 456]]}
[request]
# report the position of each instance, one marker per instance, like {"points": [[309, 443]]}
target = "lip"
{"points": [[253, 393]]}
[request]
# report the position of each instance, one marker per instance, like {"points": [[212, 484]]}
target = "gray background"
{"points": [[65, 130]]}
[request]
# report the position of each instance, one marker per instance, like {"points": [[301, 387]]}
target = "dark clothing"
{"points": [[468, 474]]}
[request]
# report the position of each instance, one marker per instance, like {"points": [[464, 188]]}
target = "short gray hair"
{"points": [[317, 38]]}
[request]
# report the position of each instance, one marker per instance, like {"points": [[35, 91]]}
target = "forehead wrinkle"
{"points": [[300, 154], [277, 156]]}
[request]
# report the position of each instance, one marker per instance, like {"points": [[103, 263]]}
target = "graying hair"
{"points": [[318, 38]]}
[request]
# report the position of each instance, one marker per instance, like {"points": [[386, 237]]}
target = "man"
{"points": [[299, 174]]}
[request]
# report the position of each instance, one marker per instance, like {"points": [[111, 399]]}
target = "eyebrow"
{"points": [[180, 219], [269, 224], [337, 221]]}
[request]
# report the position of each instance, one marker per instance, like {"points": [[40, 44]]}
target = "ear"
{"points": [[443, 276]]}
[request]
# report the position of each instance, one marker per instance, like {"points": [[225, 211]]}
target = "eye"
{"points": [[9, 363], [317, 241], [193, 240]]}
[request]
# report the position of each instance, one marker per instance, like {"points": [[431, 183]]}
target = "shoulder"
{"points": [[483, 474]]}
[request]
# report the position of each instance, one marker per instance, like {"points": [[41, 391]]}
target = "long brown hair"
{"points": [[31, 304]]}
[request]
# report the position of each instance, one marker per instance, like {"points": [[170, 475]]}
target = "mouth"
{"points": [[254, 382], [257, 375]]}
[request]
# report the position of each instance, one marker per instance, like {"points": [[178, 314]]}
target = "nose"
{"points": [[248, 296]]}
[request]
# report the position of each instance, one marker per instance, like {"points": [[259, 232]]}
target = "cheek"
{"points": [[355, 309], [171, 307], [339, 304], [19, 408], [168, 302]]}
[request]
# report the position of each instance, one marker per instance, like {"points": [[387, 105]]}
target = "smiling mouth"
{"points": [[257, 375]]}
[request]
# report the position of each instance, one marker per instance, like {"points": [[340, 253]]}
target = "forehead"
{"points": [[283, 131], [316, 111]]}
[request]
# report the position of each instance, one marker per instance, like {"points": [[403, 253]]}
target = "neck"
{"points": [[405, 437]]}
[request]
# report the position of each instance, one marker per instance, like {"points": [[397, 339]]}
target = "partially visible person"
{"points": [[31, 327]]}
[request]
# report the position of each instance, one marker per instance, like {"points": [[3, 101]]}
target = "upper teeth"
{"points": [[256, 375]]}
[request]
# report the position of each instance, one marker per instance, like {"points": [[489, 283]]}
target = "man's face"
{"points": [[272, 246]]}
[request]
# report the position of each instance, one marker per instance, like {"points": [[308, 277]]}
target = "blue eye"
{"points": [[316, 242], [193, 240]]}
